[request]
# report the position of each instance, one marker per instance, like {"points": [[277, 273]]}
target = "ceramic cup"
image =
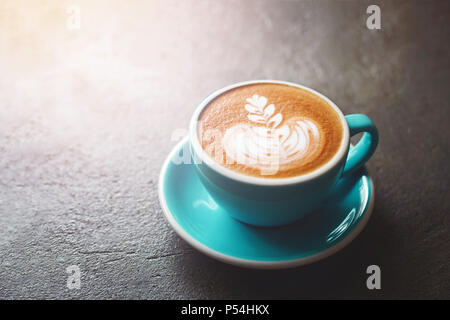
{"points": [[277, 201]]}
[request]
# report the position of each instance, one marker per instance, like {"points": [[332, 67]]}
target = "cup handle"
{"points": [[364, 149]]}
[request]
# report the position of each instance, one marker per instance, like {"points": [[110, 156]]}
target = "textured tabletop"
{"points": [[94, 94]]}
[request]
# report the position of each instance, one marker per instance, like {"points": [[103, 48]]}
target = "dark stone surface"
{"points": [[87, 117]]}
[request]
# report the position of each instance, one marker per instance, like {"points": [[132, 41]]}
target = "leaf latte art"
{"points": [[266, 145], [270, 130]]}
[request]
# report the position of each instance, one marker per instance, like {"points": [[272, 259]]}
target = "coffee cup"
{"points": [[273, 200]]}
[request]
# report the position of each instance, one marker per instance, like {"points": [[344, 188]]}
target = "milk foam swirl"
{"points": [[266, 145]]}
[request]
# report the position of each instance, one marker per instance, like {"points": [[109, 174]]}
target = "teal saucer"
{"points": [[196, 218]]}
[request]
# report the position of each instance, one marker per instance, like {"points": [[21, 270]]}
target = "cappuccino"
{"points": [[270, 130]]}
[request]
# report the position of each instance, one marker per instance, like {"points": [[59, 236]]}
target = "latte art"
{"points": [[270, 130], [266, 145]]}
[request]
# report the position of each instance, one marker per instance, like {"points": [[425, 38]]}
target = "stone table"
{"points": [[94, 94]]}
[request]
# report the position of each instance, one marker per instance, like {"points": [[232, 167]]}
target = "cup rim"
{"points": [[206, 159]]}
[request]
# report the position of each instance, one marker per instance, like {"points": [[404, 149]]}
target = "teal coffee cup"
{"points": [[269, 201]]}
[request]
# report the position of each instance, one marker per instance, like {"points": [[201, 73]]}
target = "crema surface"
{"points": [[270, 130]]}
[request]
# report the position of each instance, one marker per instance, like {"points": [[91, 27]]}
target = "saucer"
{"points": [[197, 219]]}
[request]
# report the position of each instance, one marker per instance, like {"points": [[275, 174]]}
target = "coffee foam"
{"points": [[270, 130]]}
